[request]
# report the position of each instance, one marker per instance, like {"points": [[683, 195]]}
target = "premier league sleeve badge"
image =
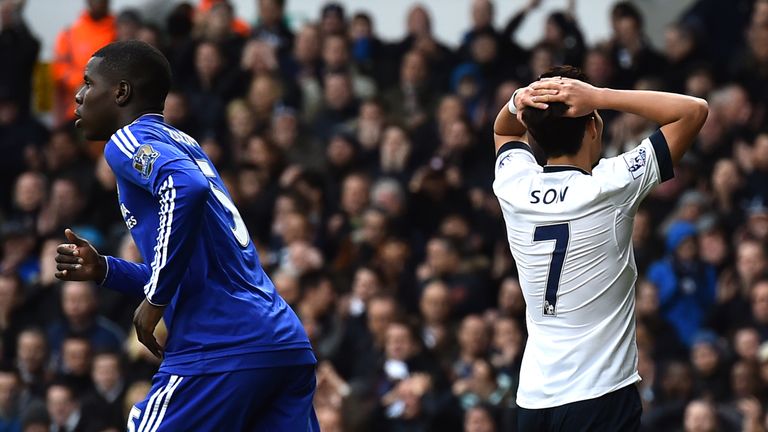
{"points": [[144, 160]]}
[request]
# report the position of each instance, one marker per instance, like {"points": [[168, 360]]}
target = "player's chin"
{"points": [[90, 133]]}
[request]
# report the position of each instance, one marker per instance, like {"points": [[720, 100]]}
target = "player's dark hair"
{"points": [[140, 64], [556, 134]]}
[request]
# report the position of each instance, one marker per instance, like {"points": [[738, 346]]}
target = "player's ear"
{"points": [[592, 127], [123, 94]]}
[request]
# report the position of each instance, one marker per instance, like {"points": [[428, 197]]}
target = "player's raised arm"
{"points": [[508, 125], [680, 117]]}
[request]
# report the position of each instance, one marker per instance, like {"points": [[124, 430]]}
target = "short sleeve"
{"points": [[629, 177], [514, 159]]}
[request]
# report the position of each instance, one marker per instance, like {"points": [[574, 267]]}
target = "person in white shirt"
{"points": [[569, 226]]}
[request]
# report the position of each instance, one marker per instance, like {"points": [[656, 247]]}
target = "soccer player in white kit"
{"points": [[569, 226]]}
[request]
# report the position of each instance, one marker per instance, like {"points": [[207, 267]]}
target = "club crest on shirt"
{"points": [[636, 160], [144, 160]]}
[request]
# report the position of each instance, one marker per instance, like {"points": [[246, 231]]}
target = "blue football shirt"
{"points": [[222, 310]]}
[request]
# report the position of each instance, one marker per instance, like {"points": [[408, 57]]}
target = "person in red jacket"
{"points": [[74, 46]]}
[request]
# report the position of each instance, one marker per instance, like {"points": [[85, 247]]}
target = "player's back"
{"points": [[226, 313], [570, 234]]}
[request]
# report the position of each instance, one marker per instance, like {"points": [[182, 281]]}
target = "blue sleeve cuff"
{"points": [[106, 273], [514, 145], [663, 157], [155, 304]]}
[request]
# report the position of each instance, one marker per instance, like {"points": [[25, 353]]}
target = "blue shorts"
{"points": [[266, 399]]}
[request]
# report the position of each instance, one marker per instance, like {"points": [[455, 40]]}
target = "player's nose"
{"points": [[79, 96]]}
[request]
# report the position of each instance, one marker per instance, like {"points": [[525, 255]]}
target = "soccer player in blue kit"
{"points": [[237, 357]]}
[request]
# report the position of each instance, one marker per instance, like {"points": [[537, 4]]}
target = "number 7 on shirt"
{"points": [[560, 233]]}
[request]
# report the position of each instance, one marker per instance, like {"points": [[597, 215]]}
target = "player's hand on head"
{"points": [[145, 320], [78, 260], [580, 97], [525, 98]]}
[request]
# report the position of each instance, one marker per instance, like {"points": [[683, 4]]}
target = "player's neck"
{"points": [[579, 160], [133, 115]]}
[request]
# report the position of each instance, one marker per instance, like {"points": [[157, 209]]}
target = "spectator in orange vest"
{"points": [[74, 47]]}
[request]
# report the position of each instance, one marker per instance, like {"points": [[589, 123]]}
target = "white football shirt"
{"points": [[571, 236]]}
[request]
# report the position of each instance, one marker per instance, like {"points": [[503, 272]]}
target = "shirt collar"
{"points": [[559, 168], [149, 116], [156, 116]]}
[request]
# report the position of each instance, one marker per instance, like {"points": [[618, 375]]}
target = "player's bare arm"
{"points": [[145, 321], [680, 116]]}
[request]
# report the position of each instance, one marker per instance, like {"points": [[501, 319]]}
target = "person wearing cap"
{"points": [[686, 284]]}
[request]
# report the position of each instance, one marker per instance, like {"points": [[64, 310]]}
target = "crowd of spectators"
{"points": [[363, 170]]}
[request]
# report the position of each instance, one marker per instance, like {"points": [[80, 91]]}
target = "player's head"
{"points": [[558, 135], [122, 81]]}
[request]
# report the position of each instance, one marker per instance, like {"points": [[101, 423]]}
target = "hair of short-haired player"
{"points": [[556, 134], [141, 65]]}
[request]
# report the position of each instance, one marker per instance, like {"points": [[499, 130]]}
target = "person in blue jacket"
{"points": [[686, 284]]}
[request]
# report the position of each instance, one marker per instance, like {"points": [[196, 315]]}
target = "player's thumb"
{"points": [[74, 238]]}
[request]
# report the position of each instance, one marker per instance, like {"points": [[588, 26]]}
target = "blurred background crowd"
{"points": [[363, 170]]}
